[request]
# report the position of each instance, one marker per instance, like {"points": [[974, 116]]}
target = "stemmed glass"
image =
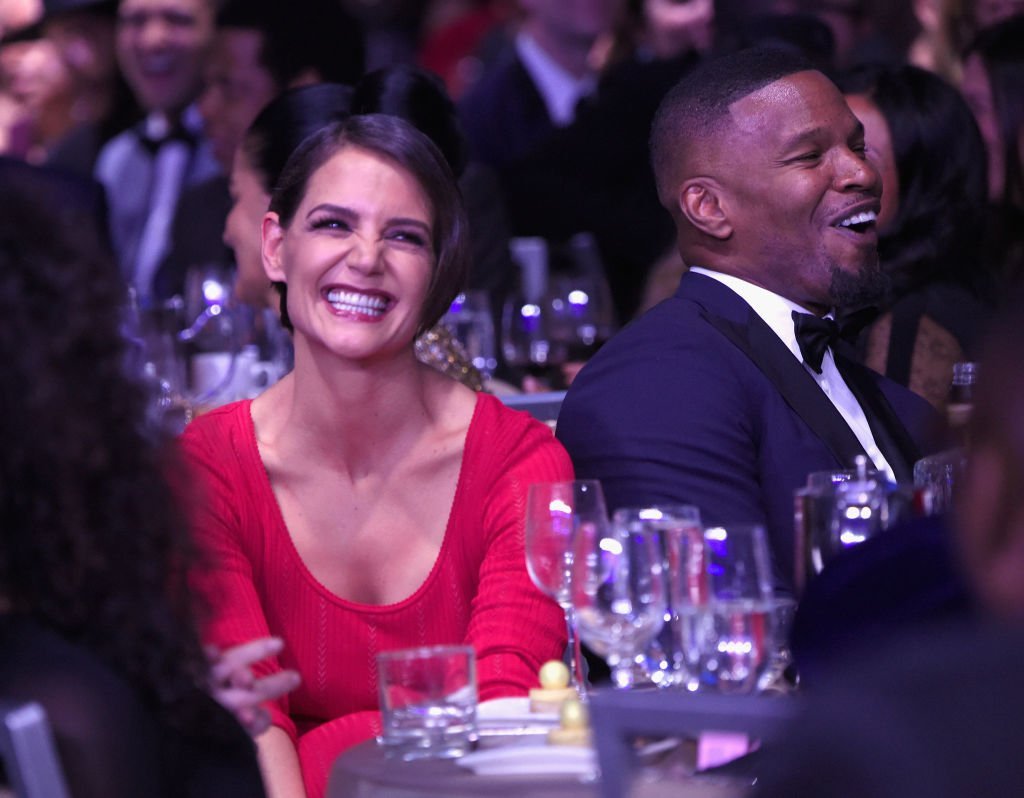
{"points": [[555, 514], [527, 340], [619, 590]]}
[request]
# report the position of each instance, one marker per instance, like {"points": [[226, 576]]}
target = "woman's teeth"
{"points": [[354, 302]]}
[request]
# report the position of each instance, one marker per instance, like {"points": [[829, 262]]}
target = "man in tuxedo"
{"points": [[711, 398], [162, 47]]}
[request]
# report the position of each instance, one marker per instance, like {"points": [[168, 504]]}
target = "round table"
{"points": [[366, 771]]}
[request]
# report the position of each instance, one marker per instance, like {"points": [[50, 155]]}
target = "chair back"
{"points": [[619, 716], [29, 753]]}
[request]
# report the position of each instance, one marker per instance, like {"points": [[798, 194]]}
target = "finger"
{"points": [[266, 689], [276, 685], [245, 654]]}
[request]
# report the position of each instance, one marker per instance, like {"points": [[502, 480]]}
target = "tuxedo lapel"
{"points": [[890, 434], [735, 319], [798, 388]]}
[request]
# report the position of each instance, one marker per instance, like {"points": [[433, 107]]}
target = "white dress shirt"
{"points": [[777, 313], [559, 89]]}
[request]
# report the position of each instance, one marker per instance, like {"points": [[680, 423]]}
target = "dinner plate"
{"points": [[513, 711], [532, 760]]}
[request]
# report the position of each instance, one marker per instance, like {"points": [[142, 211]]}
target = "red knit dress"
{"points": [[478, 591]]}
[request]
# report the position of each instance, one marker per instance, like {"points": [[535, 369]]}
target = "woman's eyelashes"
{"points": [[403, 235], [415, 238], [330, 223]]}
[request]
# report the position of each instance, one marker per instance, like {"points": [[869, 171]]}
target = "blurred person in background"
{"points": [[98, 102], [922, 137], [993, 85], [36, 87], [162, 47], [261, 48], [534, 89]]}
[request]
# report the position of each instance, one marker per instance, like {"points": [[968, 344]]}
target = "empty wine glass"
{"points": [[619, 590], [555, 512], [736, 636]]}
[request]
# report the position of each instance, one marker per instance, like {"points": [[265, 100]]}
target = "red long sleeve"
{"points": [[477, 592]]}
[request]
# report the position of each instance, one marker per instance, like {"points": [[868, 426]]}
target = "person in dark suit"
{"points": [[729, 393], [533, 88]]}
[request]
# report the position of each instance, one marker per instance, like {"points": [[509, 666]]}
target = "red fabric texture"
{"points": [[478, 592]]}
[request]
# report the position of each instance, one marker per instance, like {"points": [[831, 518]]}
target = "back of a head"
{"points": [[940, 162], [421, 99], [287, 121], [692, 112], [91, 543], [302, 36]]}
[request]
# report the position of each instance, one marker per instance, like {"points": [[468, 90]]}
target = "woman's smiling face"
{"points": [[358, 256]]}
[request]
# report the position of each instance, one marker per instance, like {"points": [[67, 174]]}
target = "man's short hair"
{"points": [[299, 35], [694, 108]]}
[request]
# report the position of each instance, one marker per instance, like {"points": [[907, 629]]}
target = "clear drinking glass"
{"points": [[469, 319], [428, 700], [620, 592], [555, 514], [735, 638], [679, 535]]}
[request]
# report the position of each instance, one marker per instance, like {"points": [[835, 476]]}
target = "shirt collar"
{"points": [[559, 89], [776, 311]]}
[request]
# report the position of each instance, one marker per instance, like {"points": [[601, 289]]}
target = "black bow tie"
{"points": [[815, 334], [176, 133]]}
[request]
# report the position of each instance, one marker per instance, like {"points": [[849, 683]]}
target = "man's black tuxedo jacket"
{"points": [[699, 402]]}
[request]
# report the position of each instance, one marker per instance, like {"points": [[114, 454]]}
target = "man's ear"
{"points": [[700, 203], [273, 240]]}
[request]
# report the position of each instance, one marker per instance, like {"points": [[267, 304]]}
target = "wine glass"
{"points": [[677, 529], [527, 342], [469, 319], [619, 591], [555, 512], [735, 638], [580, 300]]}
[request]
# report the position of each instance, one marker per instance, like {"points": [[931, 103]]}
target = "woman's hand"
{"points": [[236, 688]]}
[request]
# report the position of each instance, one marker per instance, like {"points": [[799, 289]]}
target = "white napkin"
{"points": [[532, 759]]}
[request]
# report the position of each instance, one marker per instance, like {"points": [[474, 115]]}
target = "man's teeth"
{"points": [[357, 303], [867, 217]]}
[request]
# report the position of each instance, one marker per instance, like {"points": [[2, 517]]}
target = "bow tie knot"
{"points": [[814, 334]]}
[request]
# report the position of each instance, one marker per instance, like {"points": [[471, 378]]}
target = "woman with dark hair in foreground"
{"points": [[96, 620]]}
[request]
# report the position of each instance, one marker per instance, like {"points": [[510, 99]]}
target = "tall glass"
{"points": [[680, 541], [555, 512], [736, 641]]}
